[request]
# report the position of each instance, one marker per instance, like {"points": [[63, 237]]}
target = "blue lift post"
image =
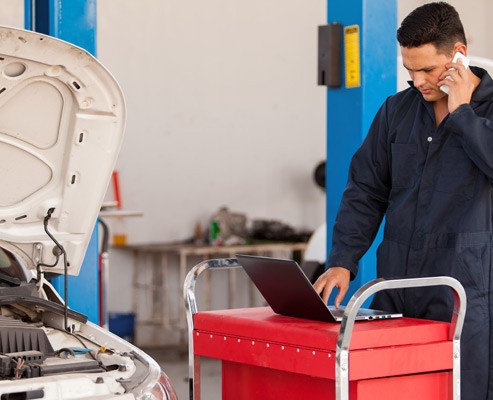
{"points": [[73, 21], [369, 31]]}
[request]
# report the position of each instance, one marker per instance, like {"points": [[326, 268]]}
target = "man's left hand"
{"points": [[461, 86]]}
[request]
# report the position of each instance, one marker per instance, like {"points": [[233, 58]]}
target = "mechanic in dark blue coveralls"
{"points": [[427, 165]]}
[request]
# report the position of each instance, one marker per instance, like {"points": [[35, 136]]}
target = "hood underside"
{"points": [[61, 125]]}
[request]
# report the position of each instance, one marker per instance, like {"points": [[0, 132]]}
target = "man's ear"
{"points": [[460, 47]]}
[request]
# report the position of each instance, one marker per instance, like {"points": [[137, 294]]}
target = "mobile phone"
{"points": [[465, 63]]}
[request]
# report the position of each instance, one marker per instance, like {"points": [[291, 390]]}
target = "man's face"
{"points": [[425, 65]]}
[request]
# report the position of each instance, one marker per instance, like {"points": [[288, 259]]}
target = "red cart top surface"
{"points": [[262, 324]]}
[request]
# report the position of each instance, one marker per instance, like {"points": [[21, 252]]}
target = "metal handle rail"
{"points": [[367, 290], [191, 309], [347, 324]]}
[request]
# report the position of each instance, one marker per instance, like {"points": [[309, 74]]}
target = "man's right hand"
{"points": [[334, 277]]}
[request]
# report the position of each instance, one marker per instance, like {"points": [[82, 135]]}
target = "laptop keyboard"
{"points": [[339, 312]]}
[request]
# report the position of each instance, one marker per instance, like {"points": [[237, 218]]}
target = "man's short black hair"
{"points": [[436, 23]]}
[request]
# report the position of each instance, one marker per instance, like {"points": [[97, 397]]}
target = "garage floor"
{"points": [[176, 367]]}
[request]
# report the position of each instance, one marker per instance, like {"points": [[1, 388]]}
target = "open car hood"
{"points": [[61, 126]]}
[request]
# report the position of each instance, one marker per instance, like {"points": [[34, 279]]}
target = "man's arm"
{"points": [[361, 211]]}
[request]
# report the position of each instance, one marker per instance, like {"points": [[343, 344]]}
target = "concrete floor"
{"points": [[175, 365]]}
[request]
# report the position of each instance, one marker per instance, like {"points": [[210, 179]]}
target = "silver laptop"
{"points": [[288, 291]]}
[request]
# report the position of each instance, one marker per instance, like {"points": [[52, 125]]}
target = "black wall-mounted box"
{"points": [[330, 55]]}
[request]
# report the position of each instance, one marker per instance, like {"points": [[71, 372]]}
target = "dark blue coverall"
{"points": [[434, 186]]}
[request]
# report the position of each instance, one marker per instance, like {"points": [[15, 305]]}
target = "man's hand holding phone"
{"points": [[457, 82], [463, 60]]}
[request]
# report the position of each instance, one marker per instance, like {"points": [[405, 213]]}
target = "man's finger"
{"points": [[340, 296], [319, 284], [327, 292]]}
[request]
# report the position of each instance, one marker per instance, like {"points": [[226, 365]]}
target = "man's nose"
{"points": [[418, 79]]}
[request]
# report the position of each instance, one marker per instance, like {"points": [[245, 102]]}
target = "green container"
{"points": [[214, 232]]}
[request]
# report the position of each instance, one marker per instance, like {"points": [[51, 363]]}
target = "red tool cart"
{"points": [[266, 356]]}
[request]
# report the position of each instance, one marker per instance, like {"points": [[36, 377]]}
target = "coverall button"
{"points": [[430, 138]]}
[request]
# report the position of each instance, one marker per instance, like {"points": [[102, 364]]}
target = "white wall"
{"points": [[223, 109], [12, 13]]}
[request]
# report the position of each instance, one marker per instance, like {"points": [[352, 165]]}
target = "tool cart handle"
{"points": [[367, 290], [191, 309]]}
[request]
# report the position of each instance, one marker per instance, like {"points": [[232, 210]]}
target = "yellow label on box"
{"points": [[351, 56]]}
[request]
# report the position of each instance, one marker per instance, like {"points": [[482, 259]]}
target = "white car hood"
{"points": [[62, 119]]}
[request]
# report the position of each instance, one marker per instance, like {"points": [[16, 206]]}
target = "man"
{"points": [[427, 165]]}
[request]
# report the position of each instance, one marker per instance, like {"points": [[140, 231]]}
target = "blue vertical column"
{"points": [[73, 21], [370, 30]]}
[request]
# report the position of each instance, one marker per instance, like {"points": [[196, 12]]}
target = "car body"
{"points": [[62, 118]]}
